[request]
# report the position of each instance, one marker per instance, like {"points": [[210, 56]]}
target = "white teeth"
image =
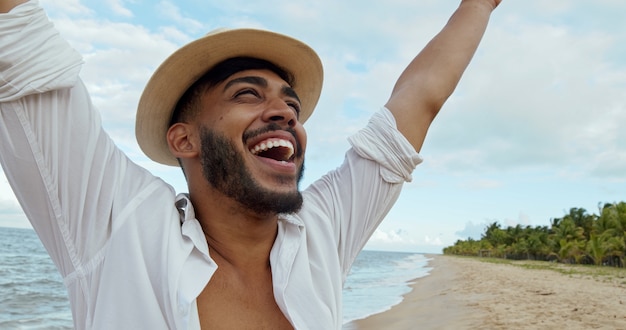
{"points": [[266, 145]]}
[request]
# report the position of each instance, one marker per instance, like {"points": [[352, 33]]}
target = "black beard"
{"points": [[223, 167]]}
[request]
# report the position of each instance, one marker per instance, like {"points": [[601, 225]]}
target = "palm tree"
{"points": [[494, 234], [537, 243], [568, 240], [570, 251], [582, 219], [615, 247], [612, 226], [596, 249]]}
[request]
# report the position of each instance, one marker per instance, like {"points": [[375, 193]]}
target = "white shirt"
{"points": [[131, 252]]}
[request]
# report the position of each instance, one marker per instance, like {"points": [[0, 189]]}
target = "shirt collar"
{"points": [[191, 227], [292, 219], [185, 209]]}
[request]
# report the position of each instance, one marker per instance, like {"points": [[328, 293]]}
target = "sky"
{"points": [[536, 126]]}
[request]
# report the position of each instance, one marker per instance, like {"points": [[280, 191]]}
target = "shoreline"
{"points": [[467, 293], [423, 305]]}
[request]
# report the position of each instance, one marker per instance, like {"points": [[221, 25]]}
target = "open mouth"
{"points": [[274, 148]]}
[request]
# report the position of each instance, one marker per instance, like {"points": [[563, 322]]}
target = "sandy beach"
{"points": [[466, 293]]}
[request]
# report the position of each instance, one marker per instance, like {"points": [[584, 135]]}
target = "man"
{"points": [[244, 248]]}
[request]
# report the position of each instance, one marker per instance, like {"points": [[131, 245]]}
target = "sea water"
{"points": [[378, 280], [32, 294]]}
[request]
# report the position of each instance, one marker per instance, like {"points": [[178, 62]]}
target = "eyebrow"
{"points": [[262, 82], [254, 80]]}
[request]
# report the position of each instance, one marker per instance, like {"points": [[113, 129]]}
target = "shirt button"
{"points": [[182, 309]]}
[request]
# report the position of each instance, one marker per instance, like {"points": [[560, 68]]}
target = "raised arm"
{"points": [[67, 174], [7, 5], [433, 74]]}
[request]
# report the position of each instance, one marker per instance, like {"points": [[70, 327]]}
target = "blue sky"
{"points": [[536, 126]]}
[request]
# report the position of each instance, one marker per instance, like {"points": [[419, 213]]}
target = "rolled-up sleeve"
{"points": [[355, 198], [33, 56], [381, 142]]}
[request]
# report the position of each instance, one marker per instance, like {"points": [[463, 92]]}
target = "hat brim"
{"points": [[179, 71]]}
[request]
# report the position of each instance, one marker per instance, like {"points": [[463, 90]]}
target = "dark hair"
{"points": [[189, 104]]}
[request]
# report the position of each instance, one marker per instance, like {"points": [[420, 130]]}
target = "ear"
{"points": [[180, 141]]}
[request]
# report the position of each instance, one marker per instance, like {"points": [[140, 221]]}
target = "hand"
{"points": [[492, 3]]}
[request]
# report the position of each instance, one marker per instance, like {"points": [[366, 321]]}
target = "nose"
{"points": [[279, 111]]}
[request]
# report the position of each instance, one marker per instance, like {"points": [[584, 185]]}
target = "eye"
{"points": [[246, 92], [295, 106]]}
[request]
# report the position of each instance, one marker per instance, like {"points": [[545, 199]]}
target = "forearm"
{"points": [[7, 5], [439, 67], [434, 73]]}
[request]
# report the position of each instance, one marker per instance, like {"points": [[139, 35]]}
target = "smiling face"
{"points": [[252, 144]]}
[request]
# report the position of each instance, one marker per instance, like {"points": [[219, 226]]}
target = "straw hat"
{"points": [[179, 71]]}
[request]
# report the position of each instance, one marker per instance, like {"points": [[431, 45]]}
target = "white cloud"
{"points": [[118, 8], [403, 240], [472, 230], [119, 59], [536, 95], [65, 7], [433, 241], [392, 236], [170, 11]]}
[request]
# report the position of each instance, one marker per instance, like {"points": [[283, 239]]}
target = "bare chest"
{"points": [[230, 301]]}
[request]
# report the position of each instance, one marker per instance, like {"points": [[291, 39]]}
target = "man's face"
{"points": [[252, 142]]}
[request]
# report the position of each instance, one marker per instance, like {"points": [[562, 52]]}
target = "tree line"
{"points": [[576, 238]]}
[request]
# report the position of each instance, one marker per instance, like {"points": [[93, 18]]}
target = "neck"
{"points": [[235, 235]]}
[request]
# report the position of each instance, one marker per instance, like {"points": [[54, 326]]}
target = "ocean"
{"points": [[32, 294]]}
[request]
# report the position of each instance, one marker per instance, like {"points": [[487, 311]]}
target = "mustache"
{"points": [[271, 127]]}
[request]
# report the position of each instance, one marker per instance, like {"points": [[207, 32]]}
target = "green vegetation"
{"points": [[576, 238]]}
